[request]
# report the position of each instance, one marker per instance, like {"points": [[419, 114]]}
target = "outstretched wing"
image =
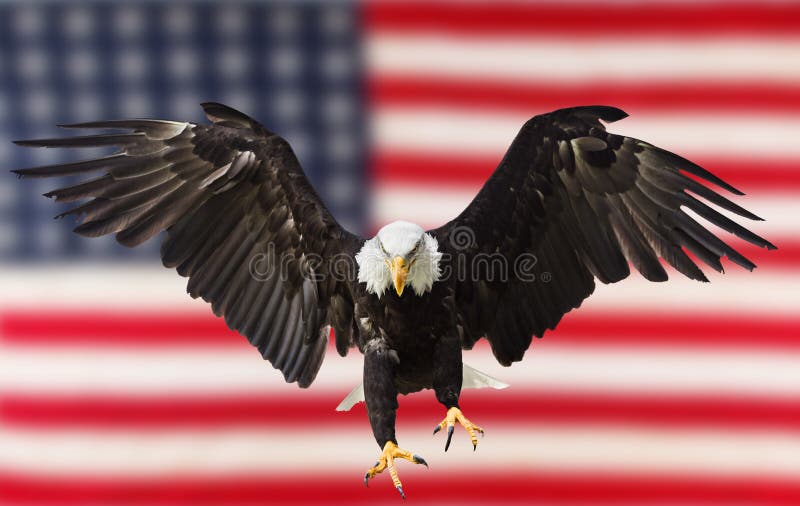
{"points": [[581, 203], [244, 225]]}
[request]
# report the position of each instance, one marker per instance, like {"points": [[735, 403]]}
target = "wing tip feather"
{"points": [[28, 143], [729, 187]]}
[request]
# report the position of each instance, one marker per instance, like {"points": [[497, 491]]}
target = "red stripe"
{"points": [[635, 98], [488, 407], [453, 170], [579, 328], [110, 328], [432, 486], [667, 328], [571, 19]]}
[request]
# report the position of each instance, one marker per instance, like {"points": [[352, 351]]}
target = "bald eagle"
{"points": [[255, 240]]}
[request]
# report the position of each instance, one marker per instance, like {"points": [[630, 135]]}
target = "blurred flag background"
{"points": [[116, 388]]}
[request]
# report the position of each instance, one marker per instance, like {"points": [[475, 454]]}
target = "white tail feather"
{"points": [[355, 396]]}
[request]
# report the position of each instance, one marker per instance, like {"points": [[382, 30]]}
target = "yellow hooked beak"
{"points": [[399, 270]]}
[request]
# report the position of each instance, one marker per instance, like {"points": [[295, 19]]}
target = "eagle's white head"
{"points": [[401, 254]]}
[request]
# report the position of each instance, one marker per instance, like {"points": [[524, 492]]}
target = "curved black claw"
{"points": [[366, 476], [437, 429], [449, 437], [402, 494], [419, 460]]}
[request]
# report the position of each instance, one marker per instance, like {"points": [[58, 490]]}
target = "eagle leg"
{"points": [[454, 415], [380, 394], [448, 376], [386, 461]]}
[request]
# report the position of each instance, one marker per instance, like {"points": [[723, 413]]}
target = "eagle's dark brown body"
{"points": [[409, 343]]}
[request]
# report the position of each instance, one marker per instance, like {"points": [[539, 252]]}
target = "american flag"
{"points": [[117, 388]]}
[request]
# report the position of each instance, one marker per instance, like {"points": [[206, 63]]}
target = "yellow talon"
{"points": [[386, 460], [454, 415]]}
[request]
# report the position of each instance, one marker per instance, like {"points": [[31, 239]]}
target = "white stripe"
{"points": [[761, 59], [433, 205], [490, 133], [96, 286], [178, 370], [547, 365], [738, 293], [525, 447]]}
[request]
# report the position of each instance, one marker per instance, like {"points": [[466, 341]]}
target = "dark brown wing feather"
{"points": [[243, 224], [580, 203]]}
